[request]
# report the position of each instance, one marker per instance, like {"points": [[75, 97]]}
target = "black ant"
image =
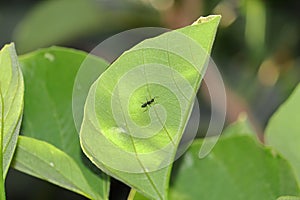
{"points": [[148, 103]]}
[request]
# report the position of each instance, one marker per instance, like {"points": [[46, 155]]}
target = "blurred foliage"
{"points": [[257, 46], [67, 20], [259, 56]]}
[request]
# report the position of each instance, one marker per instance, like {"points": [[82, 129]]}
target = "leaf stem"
{"points": [[131, 194]]}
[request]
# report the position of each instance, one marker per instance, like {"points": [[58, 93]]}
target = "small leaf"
{"points": [[49, 76], [11, 107], [283, 130], [136, 112], [50, 164], [237, 168]]}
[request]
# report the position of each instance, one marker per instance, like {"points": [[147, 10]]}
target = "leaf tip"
{"points": [[207, 19], [8, 46]]}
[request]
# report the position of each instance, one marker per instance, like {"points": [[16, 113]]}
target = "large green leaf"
{"points": [[11, 108], [237, 168], [121, 133], [49, 77], [283, 130]]}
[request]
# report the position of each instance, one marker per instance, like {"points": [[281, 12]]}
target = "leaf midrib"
{"points": [[8, 112], [136, 154]]}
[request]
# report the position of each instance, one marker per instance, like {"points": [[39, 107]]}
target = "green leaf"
{"points": [[49, 79], [241, 126], [134, 141], [283, 130], [11, 108], [237, 168], [51, 164]]}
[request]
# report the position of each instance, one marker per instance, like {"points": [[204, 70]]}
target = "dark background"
{"points": [[256, 49]]}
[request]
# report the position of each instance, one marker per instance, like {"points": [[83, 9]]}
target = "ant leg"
{"points": [[146, 109]]}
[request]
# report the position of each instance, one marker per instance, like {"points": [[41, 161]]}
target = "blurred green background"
{"points": [[256, 49]]}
